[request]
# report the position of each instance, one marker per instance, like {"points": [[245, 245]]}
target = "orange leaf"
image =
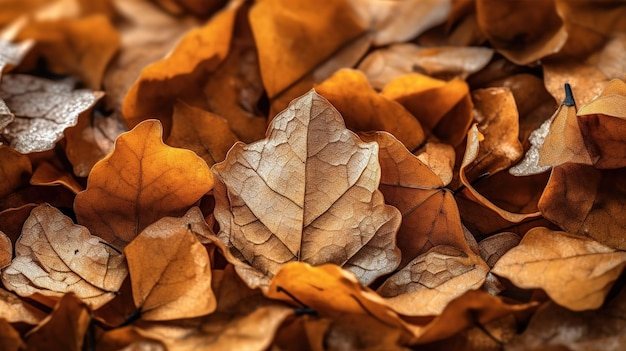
{"points": [[10, 339], [170, 271], [142, 181], [576, 272], [48, 174], [54, 256], [274, 202], [15, 310]]}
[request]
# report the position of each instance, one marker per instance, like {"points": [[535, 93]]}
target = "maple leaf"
{"points": [[274, 205]]}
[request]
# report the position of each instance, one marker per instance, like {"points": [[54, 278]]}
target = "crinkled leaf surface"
{"points": [[576, 272], [11, 54], [54, 256], [43, 109], [143, 180], [276, 204], [6, 250]]}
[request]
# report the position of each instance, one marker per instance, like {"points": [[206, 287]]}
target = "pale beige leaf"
{"points": [[576, 272], [11, 54], [54, 256], [275, 202], [15, 310]]}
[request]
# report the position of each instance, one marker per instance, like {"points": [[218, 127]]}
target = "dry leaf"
{"points": [[43, 109], [12, 54], [440, 158], [143, 180], [576, 272], [603, 126], [443, 108], [64, 328], [587, 201], [205, 133], [383, 65], [429, 282], [72, 46], [10, 339], [365, 110], [15, 310], [54, 256], [429, 213], [6, 250], [11, 220], [49, 174], [15, 169], [128, 339], [275, 205], [170, 272], [495, 246]]}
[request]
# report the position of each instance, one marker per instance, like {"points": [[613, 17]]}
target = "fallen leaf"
{"points": [[64, 328], [54, 256], [205, 133], [12, 219], [429, 282], [495, 246], [15, 169], [10, 339], [443, 108], [197, 7], [448, 62], [43, 109], [128, 338], [170, 272], [576, 272], [365, 110], [72, 46], [555, 327], [6, 250], [603, 126], [50, 175], [587, 201], [440, 158], [429, 213], [12, 54], [143, 180], [15, 310], [491, 336], [319, 221]]}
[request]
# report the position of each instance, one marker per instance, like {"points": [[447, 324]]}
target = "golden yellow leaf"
{"points": [[365, 110], [576, 272], [275, 205], [170, 271], [429, 282], [142, 181], [54, 256]]}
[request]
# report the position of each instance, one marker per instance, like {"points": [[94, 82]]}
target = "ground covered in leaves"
{"points": [[306, 175]]}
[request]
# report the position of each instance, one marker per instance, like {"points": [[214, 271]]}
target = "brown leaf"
{"points": [[54, 256], [554, 327], [576, 272], [43, 109], [170, 272], [49, 174], [429, 213], [143, 180], [64, 328], [15, 310], [10, 339], [72, 46], [440, 158], [317, 221], [205, 133], [587, 201], [429, 282], [6, 250], [11, 220], [128, 338], [603, 124], [495, 246], [497, 118], [443, 108], [162, 83], [15, 169], [383, 65], [197, 7], [365, 110]]}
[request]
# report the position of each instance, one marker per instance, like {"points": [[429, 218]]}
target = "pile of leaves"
{"points": [[298, 175]]}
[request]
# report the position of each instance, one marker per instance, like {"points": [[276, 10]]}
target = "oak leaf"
{"points": [[170, 271], [54, 256], [275, 205], [429, 282], [365, 110], [576, 272], [142, 180], [43, 109]]}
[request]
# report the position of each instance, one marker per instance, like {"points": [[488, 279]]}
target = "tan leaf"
{"points": [[202, 132], [603, 124], [495, 246], [48, 174], [275, 205], [64, 328], [10, 339], [15, 170], [576, 272], [127, 339], [6, 250], [587, 201], [429, 282], [429, 213], [383, 65], [365, 110], [12, 54], [54, 256], [143, 180], [170, 272], [443, 108], [43, 109], [440, 158], [15, 310]]}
